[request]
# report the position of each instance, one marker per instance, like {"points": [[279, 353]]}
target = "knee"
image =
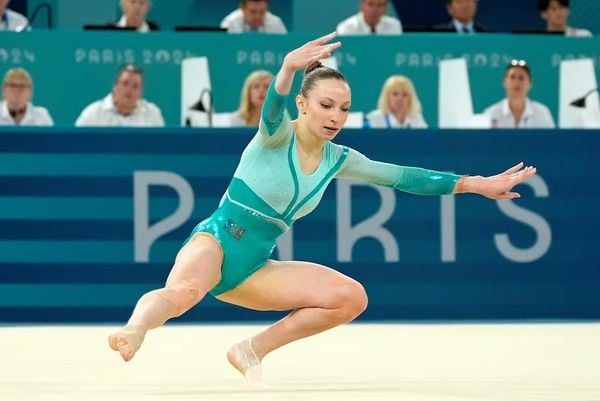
{"points": [[183, 296], [352, 301]]}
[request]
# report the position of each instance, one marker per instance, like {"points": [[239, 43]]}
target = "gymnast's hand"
{"points": [[497, 186], [310, 52]]}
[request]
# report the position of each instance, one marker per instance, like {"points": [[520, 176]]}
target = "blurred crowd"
{"points": [[398, 105]]}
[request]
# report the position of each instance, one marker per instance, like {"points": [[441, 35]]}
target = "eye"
{"points": [[325, 105], [345, 109]]}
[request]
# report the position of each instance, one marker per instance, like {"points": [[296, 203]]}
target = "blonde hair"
{"points": [[253, 78], [403, 84], [18, 73]]}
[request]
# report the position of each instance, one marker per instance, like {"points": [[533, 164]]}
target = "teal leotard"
{"points": [[269, 191]]}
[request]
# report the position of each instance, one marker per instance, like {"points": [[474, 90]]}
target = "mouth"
{"points": [[331, 130]]}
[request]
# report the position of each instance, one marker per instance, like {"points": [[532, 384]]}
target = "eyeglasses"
{"points": [[12, 85], [518, 63]]}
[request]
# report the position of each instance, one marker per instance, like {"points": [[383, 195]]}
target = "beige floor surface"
{"points": [[428, 362]]}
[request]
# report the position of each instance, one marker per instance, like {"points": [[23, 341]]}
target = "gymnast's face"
{"points": [[325, 109]]}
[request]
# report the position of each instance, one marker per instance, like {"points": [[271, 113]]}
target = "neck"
{"points": [[134, 23], [306, 140], [516, 105], [400, 117], [124, 110], [556, 27]]}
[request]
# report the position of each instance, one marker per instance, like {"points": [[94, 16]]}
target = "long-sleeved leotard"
{"points": [[269, 191]]}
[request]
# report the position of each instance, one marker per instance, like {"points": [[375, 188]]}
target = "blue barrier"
{"points": [[70, 202]]}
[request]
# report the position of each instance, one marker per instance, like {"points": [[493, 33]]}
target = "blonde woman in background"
{"points": [[398, 106], [16, 107], [252, 98]]}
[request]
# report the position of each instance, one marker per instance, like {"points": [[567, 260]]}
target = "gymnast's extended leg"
{"points": [[196, 271]]}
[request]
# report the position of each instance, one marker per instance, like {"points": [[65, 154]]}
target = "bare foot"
{"points": [[244, 359], [127, 341]]}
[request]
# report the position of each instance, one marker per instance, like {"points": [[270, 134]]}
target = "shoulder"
{"points": [[275, 24], [539, 107], [494, 107], [479, 28], [376, 119], [15, 16], [234, 15], [576, 32], [446, 26], [348, 23], [149, 107], [417, 121], [95, 106], [153, 26], [391, 21]]}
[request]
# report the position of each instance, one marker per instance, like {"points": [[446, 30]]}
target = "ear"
{"points": [[544, 15], [301, 104]]}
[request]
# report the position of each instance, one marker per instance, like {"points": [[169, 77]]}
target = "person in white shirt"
{"points": [[134, 16], [556, 13], [11, 20], [16, 107], [252, 98], [517, 110], [253, 16], [398, 106], [371, 19], [124, 107]]}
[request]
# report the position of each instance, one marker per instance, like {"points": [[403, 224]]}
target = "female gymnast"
{"points": [[281, 177]]}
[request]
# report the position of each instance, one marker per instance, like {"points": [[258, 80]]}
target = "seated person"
{"points": [[398, 106], [124, 107], [16, 107], [463, 17], [134, 16], [371, 19], [11, 20], [252, 98], [517, 110], [253, 16], [556, 14]]}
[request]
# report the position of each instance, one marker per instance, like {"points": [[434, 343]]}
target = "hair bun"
{"points": [[312, 67]]}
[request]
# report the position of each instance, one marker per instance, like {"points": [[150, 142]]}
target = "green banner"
{"points": [[72, 69]]}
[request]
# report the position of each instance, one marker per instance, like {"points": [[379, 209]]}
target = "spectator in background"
{"points": [[463, 18], [16, 108], [371, 19], [134, 16], [124, 107], [517, 110], [556, 13], [11, 20], [252, 98], [253, 16], [398, 106]]}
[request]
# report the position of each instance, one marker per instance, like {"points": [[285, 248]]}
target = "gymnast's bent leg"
{"points": [[196, 271], [320, 298]]}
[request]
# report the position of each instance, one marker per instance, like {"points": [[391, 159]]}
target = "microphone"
{"points": [[199, 105], [580, 101]]}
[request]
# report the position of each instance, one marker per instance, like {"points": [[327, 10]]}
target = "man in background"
{"points": [[371, 19], [253, 16], [463, 18], [556, 13], [124, 106], [134, 16]]}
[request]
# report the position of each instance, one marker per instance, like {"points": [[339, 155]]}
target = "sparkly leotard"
{"points": [[269, 191]]}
